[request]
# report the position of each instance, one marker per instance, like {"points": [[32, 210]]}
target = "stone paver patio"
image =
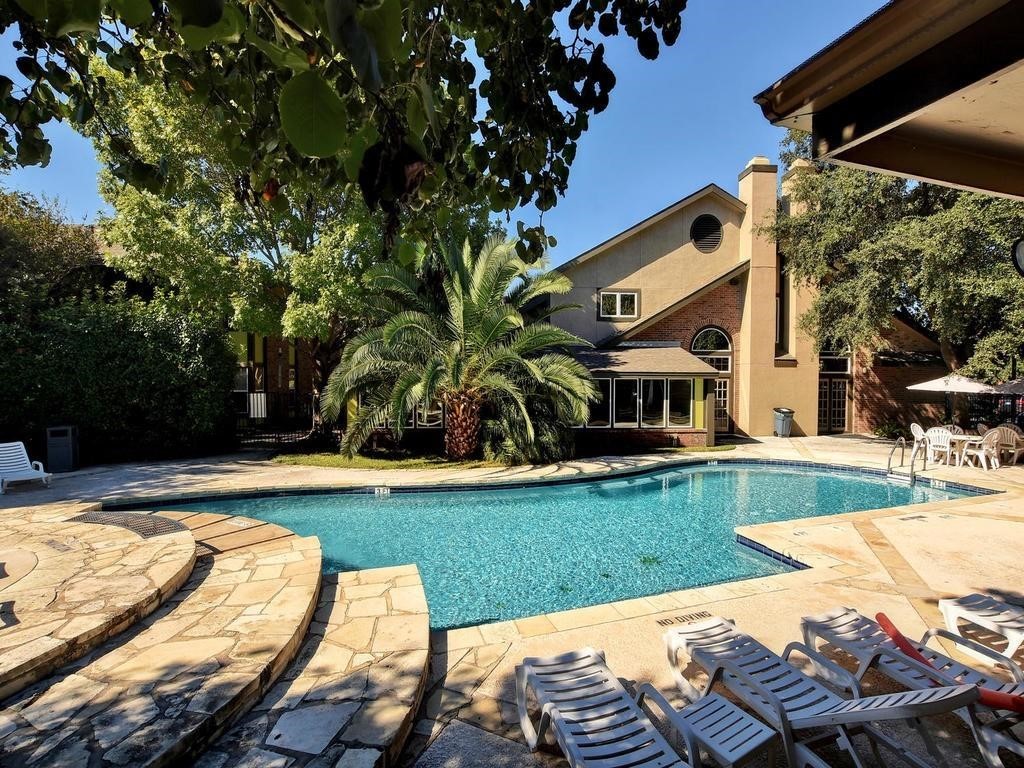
{"points": [[67, 586], [360, 668]]}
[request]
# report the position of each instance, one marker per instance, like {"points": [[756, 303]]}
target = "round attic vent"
{"points": [[706, 233]]}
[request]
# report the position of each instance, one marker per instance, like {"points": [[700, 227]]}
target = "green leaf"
{"points": [[384, 25], [428, 102], [313, 117], [299, 13], [351, 39], [291, 58], [34, 8], [228, 29], [133, 12], [197, 13], [65, 17], [363, 138]]}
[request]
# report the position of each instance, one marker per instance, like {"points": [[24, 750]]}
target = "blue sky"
{"points": [[673, 125]]}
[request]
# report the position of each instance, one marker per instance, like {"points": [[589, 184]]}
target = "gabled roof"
{"points": [[710, 190], [723, 277]]}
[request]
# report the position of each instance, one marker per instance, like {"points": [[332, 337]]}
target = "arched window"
{"points": [[712, 345]]}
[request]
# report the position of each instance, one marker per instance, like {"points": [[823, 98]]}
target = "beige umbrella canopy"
{"points": [[1015, 387], [954, 383]]}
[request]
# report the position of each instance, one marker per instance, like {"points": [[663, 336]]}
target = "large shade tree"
{"points": [[477, 347], [414, 102], [288, 264], [875, 246]]}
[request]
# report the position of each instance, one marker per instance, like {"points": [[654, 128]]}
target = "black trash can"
{"points": [[783, 421], [61, 449]]}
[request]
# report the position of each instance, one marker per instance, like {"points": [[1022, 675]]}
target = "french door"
{"points": [[832, 405], [722, 405]]}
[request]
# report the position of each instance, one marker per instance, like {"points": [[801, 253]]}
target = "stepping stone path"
{"points": [[161, 691], [349, 698], [67, 586]]}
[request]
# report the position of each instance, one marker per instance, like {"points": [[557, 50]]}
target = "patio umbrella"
{"points": [[954, 383], [1015, 387]]}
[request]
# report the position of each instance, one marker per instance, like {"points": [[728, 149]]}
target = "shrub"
{"points": [[890, 430], [140, 380]]}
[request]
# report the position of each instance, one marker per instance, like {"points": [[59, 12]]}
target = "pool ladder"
{"points": [[901, 443]]}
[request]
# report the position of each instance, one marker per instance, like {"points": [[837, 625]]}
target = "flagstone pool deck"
{"points": [[899, 560]]}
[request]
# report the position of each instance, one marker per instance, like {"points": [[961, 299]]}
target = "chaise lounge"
{"points": [[792, 702], [15, 466]]}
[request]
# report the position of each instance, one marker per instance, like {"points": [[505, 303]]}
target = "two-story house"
{"points": [[695, 324]]}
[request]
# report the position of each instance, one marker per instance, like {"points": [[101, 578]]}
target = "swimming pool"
{"points": [[488, 555]]}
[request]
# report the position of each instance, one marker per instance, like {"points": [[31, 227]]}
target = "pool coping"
{"points": [[135, 503]]}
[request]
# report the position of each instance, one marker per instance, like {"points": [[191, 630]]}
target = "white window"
{"points": [[712, 345], [615, 305]]}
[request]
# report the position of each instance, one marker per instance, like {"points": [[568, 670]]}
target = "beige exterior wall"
{"points": [[659, 261], [662, 264]]}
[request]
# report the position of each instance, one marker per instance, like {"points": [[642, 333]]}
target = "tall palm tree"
{"points": [[474, 346]]}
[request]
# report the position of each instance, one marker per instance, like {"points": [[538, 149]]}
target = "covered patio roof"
{"points": [[929, 89], [645, 360]]}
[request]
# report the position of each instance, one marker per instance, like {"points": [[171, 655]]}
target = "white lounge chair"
{"points": [[597, 723], [864, 640], [15, 466], [985, 453], [939, 445], [985, 611], [1011, 444], [792, 701]]}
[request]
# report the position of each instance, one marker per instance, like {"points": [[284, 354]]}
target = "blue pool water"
{"points": [[487, 555]]}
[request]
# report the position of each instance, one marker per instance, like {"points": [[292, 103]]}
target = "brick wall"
{"points": [[722, 307], [880, 391], [602, 442]]}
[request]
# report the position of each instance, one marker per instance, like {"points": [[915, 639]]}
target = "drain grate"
{"points": [[147, 526]]}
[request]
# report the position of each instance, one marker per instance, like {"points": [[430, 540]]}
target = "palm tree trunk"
{"points": [[462, 427]]}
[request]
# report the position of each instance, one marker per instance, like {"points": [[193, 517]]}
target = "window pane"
{"points": [[626, 402], [608, 308], [601, 411], [627, 304], [680, 402], [652, 402], [710, 340]]}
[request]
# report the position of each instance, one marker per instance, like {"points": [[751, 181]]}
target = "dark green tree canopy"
{"points": [[412, 101], [873, 246]]}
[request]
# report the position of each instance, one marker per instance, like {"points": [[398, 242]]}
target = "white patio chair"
{"points": [[920, 441], [985, 453], [939, 444], [1014, 427], [981, 428], [1011, 444], [596, 723], [987, 612], [792, 701], [15, 466], [953, 428], [864, 640]]}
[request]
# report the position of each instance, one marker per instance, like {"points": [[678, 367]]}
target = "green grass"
{"points": [[700, 449], [337, 461]]}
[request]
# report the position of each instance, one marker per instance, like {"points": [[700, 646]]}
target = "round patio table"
{"points": [[959, 442]]}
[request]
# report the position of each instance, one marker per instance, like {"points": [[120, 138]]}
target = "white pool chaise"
{"points": [[15, 466], [597, 723], [987, 612], [792, 701], [866, 641]]}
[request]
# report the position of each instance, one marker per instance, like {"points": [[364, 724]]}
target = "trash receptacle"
{"points": [[783, 421], [61, 449]]}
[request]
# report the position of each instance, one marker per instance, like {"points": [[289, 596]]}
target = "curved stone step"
{"points": [[161, 691], [71, 580], [350, 697]]}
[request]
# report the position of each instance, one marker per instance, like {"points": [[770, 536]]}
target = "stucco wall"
{"points": [[660, 262]]}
